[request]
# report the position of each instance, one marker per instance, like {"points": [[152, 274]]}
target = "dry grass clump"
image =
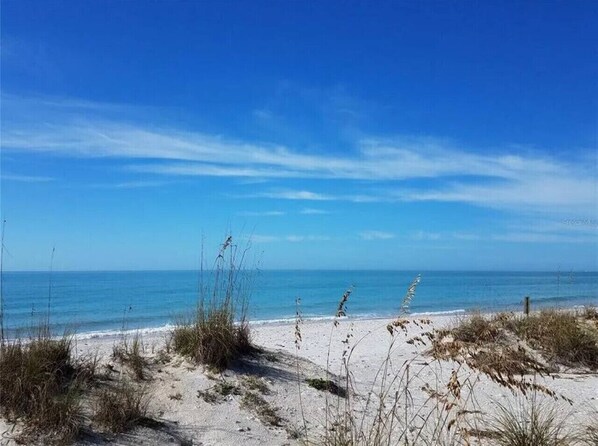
{"points": [[254, 383], [264, 411], [535, 424], [589, 433], [131, 354], [249, 388], [383, 413], [213, 338], [561, 337], [218, 332], [219, 391], [477, 328], [590, 313], [326, 385], [120, 408], [494, 344], [485, 345], [40, 384], [505, 361]]}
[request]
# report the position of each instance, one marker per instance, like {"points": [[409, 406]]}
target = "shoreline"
{"points": [[281, 322]]}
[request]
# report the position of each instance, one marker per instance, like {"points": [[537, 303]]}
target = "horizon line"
{"points": [[557, 271]]}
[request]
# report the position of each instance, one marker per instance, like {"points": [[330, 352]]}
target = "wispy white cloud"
{"points": [[305, 195], [376, 235], [510, 178], [296, 195], [26, 178], [213, 170], [562, 192]]}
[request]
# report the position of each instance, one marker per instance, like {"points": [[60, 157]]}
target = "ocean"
{"points": [[98, 302]]}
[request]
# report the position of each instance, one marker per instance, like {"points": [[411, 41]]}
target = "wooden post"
{"points": [[526, 305]]}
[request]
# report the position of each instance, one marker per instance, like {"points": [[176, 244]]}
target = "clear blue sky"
{"points": [[407, 135]]}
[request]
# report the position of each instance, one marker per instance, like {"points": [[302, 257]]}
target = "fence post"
{"points": [[526, 305]]}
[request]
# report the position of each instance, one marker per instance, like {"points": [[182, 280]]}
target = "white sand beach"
{"points": [[185, 418]]}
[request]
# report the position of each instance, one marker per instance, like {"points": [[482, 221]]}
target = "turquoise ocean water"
{"points": [[92, 302]]}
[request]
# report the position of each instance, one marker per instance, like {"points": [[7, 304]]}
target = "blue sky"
{"points": [[395, 135]]}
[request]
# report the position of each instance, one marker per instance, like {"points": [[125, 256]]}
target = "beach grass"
{"points": [[41, 384], [561, 336], [130, 353], [256, 403], [382, 414], [508, 343], [121, 407], [53, 395], [218, 331], [531, 423], [501, 346]]}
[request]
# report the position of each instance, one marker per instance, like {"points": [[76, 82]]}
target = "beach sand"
{"points": [[185, 418]]}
